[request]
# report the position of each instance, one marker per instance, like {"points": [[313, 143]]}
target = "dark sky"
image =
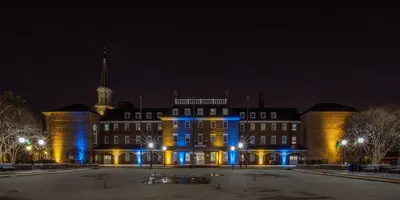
{"points": [[296, 52]]}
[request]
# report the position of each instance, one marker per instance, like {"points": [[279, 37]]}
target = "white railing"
{"points": [[201, 101]]}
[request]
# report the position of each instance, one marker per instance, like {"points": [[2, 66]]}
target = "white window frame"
{"points": [[213, 111], [284, 139], [284, 126], [294, 127], [137, 127], [127, 127], [187, 157], [127, 115], [175, 136], [213, 138], [138, 139], [252, 115], [242, 115], [148, 127], [252, 139], [273, 127], [175, 111], [294, 140], [127, 139], [94, 137], [200, 124], [187, 111], [263, 140], [175, 124], [263, 126], [213, 124], [263, 115], [187, 138], [159, 126], [116, 127], [225, 111], [107, 127], [159, 114], [187, 124], [225, 124], [225, 135], [273, 115], [116, 139], [252, 127], [137, 115], [106, 140], [273, 139], [148, 115], [200, 111], [242, 127], [225, 156], [198, 138], [212, 157]]}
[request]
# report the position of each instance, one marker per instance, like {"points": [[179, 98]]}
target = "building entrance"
{"points": [[200, 158]]}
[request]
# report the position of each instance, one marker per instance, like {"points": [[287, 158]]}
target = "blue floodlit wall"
{"points": [[181, 158], [82, 136]]}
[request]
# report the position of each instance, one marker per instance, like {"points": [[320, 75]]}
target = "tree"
{"points": [[380, 129], [16, 120]]}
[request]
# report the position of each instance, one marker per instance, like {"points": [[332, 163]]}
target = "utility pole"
{"points": [[141, 133], [194, 114]]}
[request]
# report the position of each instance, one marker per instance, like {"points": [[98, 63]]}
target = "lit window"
{"points": [[225, 111], [138, 127], [213, 137], [273, 127], [242, 127], [263, 115], [187, 124], [148, 115], [242, 115], [175, 111], [175, 138], [225, 124], [159, 127], [252, 127], [262, 140], [200, 111], [283, 139], [174, 124], [187, 138], [106, 140], [138, 139], [187, 156], [116, 127], [199, 124], [127, 127], [127, 139], [225, 156], [213, 111], [148, 127], [252, 115], [106, 127], [159, 114], [127, 115], [212, 159], [252, 139], [294, 140], [137, 115], [116, 139], [187, 111], [263, 126], [294, 127], [273, 139], [213, 124], [273, 115], [225, 138], [284, 127]]}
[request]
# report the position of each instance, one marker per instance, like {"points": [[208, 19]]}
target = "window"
{"points": [[252, 139], [137, 127], [273, 139], [175, 138], [225, 111], [159, 126], [116, 127], [225, 136], [200, 124], [159, 114], [127, 115], [187, 124], [175, 111], [116, 139], [273, 115], [187, 138], [252, 115], [252, 157], [200, 137], [284, 127], [294, 139], [213, 111], [225, 124], [225, 156], [174, 124], [294, 127], [252, 127], [187, 111], [148, 127], [273, 127], [242, 127], [187, 156], [137, 139], [127, 156], [213, 124], [263, 115], [263, 126], [106, 127], [127, 139], [106, 140], [175, 156], [200, 111], [262, 141], [213, 137], [137, 115], [148, 115], [148, 156], [242, 115], [127, 127], [94, 137], [283, 139], [212, 157]]}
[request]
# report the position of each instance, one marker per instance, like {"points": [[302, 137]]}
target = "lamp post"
{"points": [[344, 143], [151, 145], [360, 141], [240, 146], [41, 144], [164, 148], [233, 150]]}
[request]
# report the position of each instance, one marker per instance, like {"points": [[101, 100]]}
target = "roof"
{"points": [[330, 107], [280, 147], [281, 113], [119, 114], [78, 107]]}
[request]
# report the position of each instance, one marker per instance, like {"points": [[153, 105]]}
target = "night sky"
{"points": [[297, 53]]}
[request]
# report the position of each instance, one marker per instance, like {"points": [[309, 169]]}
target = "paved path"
{"points": [[10, 174]]}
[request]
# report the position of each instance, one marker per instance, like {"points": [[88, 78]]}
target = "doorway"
{"points": [[200, 158], [293, 160], [107, 159]]}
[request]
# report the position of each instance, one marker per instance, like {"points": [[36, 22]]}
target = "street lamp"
{"points": [[233, 150], [360, 140], [151, 145], [41, 144], [344, 143], [164, 148], [240, 145], [21, 140], [29, 148]]}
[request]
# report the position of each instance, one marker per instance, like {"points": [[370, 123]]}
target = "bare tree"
{"points": [[380, 129]]}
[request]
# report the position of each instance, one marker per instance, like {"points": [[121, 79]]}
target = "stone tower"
{"points": [[103, 91]]}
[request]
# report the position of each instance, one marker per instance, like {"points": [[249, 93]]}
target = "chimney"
{"points": [[226, 93], [261, 100], [176, 94]]}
